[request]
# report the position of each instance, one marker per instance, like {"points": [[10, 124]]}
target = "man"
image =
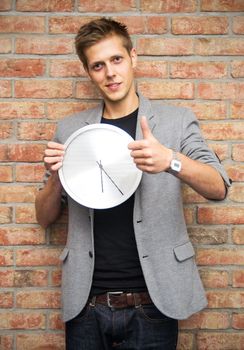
{"points": [[129, 272]]}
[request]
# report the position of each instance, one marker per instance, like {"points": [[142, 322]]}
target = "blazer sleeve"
{"points": [[195, 147]]}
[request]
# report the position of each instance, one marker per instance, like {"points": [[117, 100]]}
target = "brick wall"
{"points": [[192, 51]]}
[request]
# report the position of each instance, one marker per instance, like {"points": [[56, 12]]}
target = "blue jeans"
{"points": [[135, 328]]}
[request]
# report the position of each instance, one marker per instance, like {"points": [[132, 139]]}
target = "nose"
{"points": [[109, 70]]}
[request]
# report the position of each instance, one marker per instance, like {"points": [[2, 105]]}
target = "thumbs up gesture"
{"points": [[149, 154]]}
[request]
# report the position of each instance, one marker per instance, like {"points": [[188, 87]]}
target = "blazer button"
{"points": [[90, 254]]}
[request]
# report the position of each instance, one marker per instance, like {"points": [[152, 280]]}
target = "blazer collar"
{"points": [[145, 109]]}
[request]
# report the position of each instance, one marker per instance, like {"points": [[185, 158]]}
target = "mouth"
{"points": [[113, 86]]}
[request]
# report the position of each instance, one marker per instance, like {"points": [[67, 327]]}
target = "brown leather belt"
{"points": [[121, 300]]}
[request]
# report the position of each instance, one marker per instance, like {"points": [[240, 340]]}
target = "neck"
{"points": [[118, 109]]}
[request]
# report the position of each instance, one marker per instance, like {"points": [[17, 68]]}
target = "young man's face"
{"points": [[110, 67]]}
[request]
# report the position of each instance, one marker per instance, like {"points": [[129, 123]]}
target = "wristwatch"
{"points": [[175, 164]]}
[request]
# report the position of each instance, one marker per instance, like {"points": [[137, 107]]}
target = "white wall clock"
{"points": [[98, 171]]}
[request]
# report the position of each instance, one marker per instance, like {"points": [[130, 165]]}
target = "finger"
{"points": [[146, 132], [55, 145], [137, 145]]}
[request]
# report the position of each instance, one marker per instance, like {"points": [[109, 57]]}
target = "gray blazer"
{"points": [[165, 252]]}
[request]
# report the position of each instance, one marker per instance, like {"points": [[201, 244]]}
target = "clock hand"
{"points": [[102, 168]]}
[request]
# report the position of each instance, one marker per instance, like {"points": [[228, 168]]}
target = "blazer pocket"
{"points": [[64, 254], [184, 251]]}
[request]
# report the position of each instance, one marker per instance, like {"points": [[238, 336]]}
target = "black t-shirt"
{"points": [[117, 266]]}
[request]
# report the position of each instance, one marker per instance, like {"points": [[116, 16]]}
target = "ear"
{"points": [[133, 56]]}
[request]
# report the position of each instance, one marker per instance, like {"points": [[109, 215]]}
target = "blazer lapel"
{"points": [[145, 109]]}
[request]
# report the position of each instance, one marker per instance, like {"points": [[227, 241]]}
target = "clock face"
{"points": [[98, 171]]}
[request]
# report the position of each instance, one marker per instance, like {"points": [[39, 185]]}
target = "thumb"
{"points": [[146, 132]]}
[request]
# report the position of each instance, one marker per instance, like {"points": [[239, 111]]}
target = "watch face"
{"points": [[98, 171]]}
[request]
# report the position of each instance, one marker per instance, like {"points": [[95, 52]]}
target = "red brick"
{"points": [[19, 194], [5, 45], [58, 110], [167, 89], [221, 256], [6, 300], [38, 257], [238, 152], [219, 47], [221, 341], [237, 110], [7, 341], [6, 278], [221, 215], [22, 320], [38, 299], [44, 46], [135, 24], [25, 214], [168, 6], [5, 88], [21, 236], [34, 131], [165, 46], [185, 341], [156, 25], [47, 341], [22, 24], [203, 235], [56, 277], [189, 215], [22, 152], [6, 257], [238, 235], [86, 90], [21, 67], [48, 6], [238, 279], [5, 5], [206, 110], [199, 25], [58, 234], [6, 130], [151, 69], [206, 320], [223, 131], [222, 6], [237, 69], [6, 215], [214, 278], [29, 173], [55, 321], [238, 25], [221, 91], [30, 278], [66, 68], [198, 70], [107, 6], [236, 193], [238, 321], [43, 88], [21, 110], [67, 24], [225, 299], [236, 172], [222, 150]]}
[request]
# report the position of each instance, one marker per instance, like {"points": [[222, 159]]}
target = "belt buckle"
{"points": [[108, 297]]}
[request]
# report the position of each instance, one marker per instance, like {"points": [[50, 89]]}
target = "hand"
{"points": [[53, 156], [149, 154]]}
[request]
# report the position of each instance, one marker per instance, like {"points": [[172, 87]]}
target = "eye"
{"points": [[97, 66], [117, 59]]}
